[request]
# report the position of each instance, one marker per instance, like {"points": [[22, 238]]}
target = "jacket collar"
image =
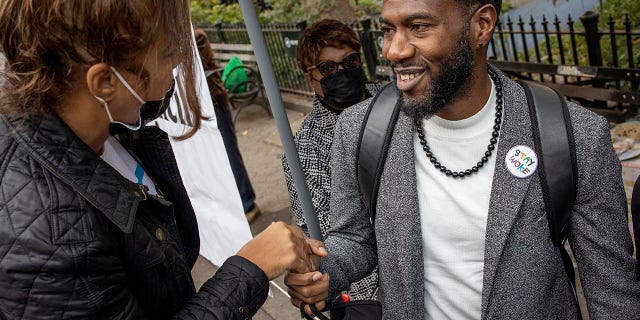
{"points": [[398, 207], [507, 192], [54, 146]]}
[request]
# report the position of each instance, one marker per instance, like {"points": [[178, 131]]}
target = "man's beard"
{"points": [[446, 86]]}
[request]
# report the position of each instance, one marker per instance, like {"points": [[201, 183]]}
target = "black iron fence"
{"points": [[569, 56], [598, 68], [552, 42], [282, 40]]}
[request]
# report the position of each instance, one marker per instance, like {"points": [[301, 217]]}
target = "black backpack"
{"points": [[554, 143], [635, 217]]}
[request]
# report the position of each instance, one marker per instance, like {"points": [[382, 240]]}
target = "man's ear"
{"points": [[483, 22], [101, 81]]}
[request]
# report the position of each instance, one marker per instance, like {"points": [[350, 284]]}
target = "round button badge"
{"points": [[521, 161]]}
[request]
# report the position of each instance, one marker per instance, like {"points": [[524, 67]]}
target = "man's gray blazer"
{"points": [[523, 274]]}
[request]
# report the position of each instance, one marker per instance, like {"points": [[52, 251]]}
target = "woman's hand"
{"points": [[282, 247]]}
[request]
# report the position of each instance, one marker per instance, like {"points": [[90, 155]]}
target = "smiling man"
{"points": [[459, 232]]}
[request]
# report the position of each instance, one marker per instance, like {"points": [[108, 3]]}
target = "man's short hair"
{"points": [[324, 33], [496, 3]]}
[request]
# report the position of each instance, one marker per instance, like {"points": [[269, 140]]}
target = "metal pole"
{"points": [[368, 47], [592, 35], [279, 114], [219, 32]]}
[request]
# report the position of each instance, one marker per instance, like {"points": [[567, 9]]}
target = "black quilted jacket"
{"points": [[77, 240]]}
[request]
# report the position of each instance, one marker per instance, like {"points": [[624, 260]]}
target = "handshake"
{"points": [[281, 248]]}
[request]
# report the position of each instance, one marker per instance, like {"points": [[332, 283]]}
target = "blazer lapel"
{"points": [[399, 237], [508, 191]]}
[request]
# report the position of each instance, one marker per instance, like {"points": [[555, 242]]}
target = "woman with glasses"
{"points": [[329, 54], [94, 227]]}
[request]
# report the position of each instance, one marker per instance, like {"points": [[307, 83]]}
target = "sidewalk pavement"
{"points": [[261, 150]]}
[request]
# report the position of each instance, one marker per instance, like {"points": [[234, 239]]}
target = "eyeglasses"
{"points": [[327, 68]]}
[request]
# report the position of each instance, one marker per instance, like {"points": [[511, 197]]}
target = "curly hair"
{"points": [[324, 33], [50, 44]]}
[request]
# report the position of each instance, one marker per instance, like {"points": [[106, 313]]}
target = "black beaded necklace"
{"points": [[492, 142]]}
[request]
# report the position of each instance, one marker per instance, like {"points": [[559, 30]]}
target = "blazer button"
{"points": [[160, 234], [241, 309]]}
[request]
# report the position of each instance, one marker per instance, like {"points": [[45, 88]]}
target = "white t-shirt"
{"points": [[119, 158], [453, 212]]}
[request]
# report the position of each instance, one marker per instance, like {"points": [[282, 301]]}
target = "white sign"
{"points": [[206, 173], [290, 42]]}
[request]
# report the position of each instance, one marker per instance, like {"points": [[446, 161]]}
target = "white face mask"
{"points": [[118, 126]]}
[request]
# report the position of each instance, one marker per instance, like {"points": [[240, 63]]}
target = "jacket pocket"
{"points": [[157, 272], [152, 237], [145, 246]]}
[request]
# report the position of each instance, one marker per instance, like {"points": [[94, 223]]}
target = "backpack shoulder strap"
{"points": [[555, 146], [635, 218], [557, 166], [375, 136]]}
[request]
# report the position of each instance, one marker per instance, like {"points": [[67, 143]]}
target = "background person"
{"points": [[112, 237], [475, 244], [329, 55], [225, 124]]}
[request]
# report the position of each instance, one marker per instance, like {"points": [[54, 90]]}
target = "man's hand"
{"points": [[318, 251], [311, 287]]}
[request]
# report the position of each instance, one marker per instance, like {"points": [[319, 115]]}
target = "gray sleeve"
{"points": [[599, 232], [350, 240]]}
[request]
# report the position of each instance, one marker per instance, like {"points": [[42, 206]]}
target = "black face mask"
{"points": [[149, 111], [153, 109], [344, 88]]}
